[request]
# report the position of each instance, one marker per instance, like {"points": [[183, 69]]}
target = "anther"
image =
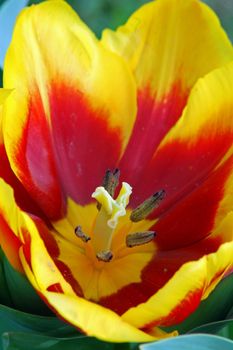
{"points": [[146, 208], [80, 234], [105, 255], [139, 238], [110, 182]]}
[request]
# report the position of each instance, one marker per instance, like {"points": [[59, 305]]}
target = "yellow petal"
{"points": [[4, 93], [170, 41], [10, 216]]}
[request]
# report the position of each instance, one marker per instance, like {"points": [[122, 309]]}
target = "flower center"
{"points": [[111, 210]]}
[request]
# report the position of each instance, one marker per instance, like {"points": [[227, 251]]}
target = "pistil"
{"points": [[107, 219]]}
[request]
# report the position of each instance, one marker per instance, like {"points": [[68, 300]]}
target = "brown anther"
{"points": [[139, 238], [146, 208], [80, 234], [105, 255], [110, 182]]}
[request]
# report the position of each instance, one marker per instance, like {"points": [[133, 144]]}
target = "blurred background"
{"points": [[99, 14]]}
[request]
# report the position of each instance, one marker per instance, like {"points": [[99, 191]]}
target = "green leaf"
{"points": [[213, 327], [15, 320], [230, 313], [126, 346], [4, 291], [25, 341], [227, 331], [23, 331], [191, 342], [21, 293], [215, 308]]}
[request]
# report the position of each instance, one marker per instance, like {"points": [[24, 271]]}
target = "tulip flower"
{"points": [[117, 165]]}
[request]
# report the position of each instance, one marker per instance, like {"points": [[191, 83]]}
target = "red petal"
{"points": [[193, 217], [22, 197], [10, 244], [179, 168], [36, 163], [85, 145], [154, 119]]}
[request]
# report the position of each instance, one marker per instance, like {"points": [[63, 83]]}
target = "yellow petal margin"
{"points": [[208, 113], [170, 41], [9, 219], [51, 44], [4, 93]]}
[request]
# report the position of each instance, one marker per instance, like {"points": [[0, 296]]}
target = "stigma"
{"points": [[115, 208]]}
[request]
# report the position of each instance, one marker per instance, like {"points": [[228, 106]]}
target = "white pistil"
{"points": [[108, 216]]}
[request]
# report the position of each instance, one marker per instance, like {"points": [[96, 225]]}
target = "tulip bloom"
{"points": [[120, 252]]}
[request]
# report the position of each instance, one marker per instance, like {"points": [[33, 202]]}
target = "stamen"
{"points": [[80, 234], [146, 208], [110, 182], [105, 255], [139, 238]]}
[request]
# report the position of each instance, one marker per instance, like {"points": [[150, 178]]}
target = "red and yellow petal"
{"points": [[183, 292], [162, 267], [168, 44], [185, 232], [170, 304], [196, 145], [22, 198], [75, 107], [91, 318]]}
